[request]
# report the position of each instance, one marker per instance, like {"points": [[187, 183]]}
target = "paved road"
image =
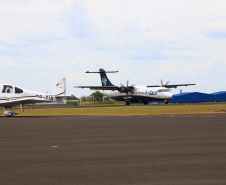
{"points": [[134, 150]]}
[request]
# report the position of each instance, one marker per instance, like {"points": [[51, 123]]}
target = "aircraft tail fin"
{"points": [[104, 79], [60, 88]]}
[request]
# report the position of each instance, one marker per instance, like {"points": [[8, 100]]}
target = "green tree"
{"points": [[83, 98], [97, 95], [106, 98]]}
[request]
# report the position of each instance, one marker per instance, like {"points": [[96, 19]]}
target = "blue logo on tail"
{"points": [[104, 81]]}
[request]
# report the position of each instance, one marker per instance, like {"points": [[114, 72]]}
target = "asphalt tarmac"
{"points": [[96, 150]]}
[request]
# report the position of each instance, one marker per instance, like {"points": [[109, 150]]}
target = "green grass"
{"points": [[73, 104], [125, 110], [101, 103]]}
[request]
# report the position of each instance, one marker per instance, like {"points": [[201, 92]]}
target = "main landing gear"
{"points": [[145, 103], [127, 102], [166, 101]]}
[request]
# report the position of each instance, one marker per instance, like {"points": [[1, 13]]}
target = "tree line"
{"points": [[96, 96]]}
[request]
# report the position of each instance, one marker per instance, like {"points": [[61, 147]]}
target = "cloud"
{"points": [[81, 59], [219, 34], [184, 54], [29, 21], [145, 40], [9, 63]]}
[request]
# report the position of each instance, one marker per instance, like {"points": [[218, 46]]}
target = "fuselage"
{"points": [[11, 96], [141, 94], [10, 93]]}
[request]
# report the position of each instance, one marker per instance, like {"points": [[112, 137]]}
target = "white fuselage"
{"points": [[141, 94], [12, 95]]}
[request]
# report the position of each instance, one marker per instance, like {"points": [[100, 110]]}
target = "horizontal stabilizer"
{"points": [[66, 96], [99, 87], [101, 71]]}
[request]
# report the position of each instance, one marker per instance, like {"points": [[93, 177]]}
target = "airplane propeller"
{"points": [[126, 89], [165, 84], [169, 86]]}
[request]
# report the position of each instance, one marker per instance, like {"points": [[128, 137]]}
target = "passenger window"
{"points": [[18, 90], [7, 89]]}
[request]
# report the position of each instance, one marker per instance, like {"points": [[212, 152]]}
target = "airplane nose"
{"points": [[169, 96]]}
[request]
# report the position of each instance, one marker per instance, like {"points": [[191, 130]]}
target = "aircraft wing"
{"points": [[176, 85], [17, 101], [171, 86], [112, 88], [153, 86]]}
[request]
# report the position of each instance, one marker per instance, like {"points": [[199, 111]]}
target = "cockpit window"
{"points": [[18, 90], [7, 89], [164, 90]]}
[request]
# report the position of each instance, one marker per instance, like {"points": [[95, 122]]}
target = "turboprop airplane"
{"points": [[11, 96], [133, 94]]}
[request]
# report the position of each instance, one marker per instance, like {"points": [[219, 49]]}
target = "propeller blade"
{"points": [[127, 83], [161, 82], [167, 83], [126, 89]]}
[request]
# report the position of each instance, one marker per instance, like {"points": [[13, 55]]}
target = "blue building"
{"points": [[196, 97]]}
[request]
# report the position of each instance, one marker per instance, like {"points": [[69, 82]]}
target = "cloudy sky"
{"points": [[145, 40]]}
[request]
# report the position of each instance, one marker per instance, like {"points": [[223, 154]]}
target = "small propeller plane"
{"points": [[131, 93], [11, 96]]}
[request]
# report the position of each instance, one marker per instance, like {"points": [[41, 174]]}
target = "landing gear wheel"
{"points": [[127, 103], [145, 103], [166, 101]]}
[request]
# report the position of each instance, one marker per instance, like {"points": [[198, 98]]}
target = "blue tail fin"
{"points": [[104, 79]]}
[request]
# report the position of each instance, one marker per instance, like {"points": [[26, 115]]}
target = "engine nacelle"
{"points": [[123, 89], [10, 113]]}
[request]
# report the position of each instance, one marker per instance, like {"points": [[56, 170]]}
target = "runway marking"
{"points": [[54, 146]]}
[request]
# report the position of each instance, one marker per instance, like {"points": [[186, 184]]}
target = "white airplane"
{"points": [[11, 96], [133, 94]]}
